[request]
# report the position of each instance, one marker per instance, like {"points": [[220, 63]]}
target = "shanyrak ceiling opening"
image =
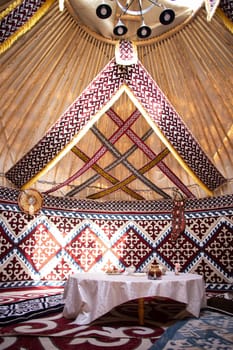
{"points": [[133, 19]]}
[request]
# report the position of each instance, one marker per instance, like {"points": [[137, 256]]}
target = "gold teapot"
{"points": [[154, 271]]}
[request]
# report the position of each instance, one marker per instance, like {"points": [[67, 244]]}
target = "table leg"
{"points": [[141, 311]]}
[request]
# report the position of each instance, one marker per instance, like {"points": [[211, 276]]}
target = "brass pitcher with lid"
{"points": [[154, 271]]}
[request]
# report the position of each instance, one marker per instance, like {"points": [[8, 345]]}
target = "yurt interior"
{"points": [[116, 186]]}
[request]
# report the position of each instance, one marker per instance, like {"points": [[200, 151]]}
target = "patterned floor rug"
{"points": [[31, 319], [118, 329], [20, 311], [212, 331], [13, 295]]}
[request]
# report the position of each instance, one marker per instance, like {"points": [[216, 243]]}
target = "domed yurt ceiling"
{"points": [[78, 122]]}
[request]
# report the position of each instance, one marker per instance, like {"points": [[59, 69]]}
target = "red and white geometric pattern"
{"points": [[170, 123], [58, 242], [178, 218], [126, 53], [18, 17], [93, 99]]}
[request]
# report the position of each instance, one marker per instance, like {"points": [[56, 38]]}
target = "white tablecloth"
{"points": [[90, 295]]}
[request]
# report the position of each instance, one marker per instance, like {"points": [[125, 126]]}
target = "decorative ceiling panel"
{"points": [[92, 103], [57, 60]]}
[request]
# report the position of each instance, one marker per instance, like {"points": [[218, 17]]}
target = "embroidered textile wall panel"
{"points": [[71, 235]]}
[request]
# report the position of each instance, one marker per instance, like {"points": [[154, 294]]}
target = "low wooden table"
{"points": [[88, 296]]}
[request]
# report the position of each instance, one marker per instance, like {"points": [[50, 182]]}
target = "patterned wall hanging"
{"points": [[178, 215], [71, 235], [95, 100]]}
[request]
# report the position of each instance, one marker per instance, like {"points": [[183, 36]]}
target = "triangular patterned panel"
{"points": [[61, 269], [22, 270], [95, 100]]}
